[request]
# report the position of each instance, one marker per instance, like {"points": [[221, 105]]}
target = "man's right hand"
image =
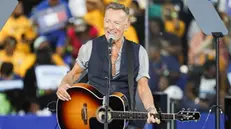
{"points": [[62, 92]]}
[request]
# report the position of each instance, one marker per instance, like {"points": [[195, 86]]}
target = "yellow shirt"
{"points": [[17, 28], [19, 60], [170, 27], [58, 60], [55, 57], [131, 34]]}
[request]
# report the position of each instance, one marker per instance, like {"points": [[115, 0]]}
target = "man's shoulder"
{"points": [[99, 38], [134, 44]]}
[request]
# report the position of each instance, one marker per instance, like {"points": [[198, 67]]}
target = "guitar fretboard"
{"points": [[141, 115]]}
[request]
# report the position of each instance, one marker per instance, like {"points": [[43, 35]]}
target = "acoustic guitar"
{"points": [[85, 111]]}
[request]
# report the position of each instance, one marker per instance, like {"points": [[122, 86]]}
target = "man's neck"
{"points": [[119, 42]]}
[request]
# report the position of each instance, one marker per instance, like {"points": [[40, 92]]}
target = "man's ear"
{"points": [[128, 24]]}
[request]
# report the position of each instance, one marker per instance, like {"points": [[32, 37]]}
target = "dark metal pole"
{"points": [[217, 86], [106, 104], [217, 35]]}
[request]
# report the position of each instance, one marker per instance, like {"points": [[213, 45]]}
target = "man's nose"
{"points": [[111, 26]]}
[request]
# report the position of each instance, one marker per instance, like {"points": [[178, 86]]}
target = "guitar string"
{"points": [[54, 110]]}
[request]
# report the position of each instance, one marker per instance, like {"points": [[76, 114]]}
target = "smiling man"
{"points": [[93, 56]]}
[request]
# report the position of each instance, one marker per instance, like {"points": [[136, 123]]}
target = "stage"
{"points": [[35, 122]]}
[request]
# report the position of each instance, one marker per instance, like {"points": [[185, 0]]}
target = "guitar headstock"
{"points": [[188, 115]]}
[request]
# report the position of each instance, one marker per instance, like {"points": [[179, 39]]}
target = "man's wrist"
{"points": [[151, 109]]}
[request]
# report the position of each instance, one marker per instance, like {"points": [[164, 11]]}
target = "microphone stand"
{"points": [[106, 98]]}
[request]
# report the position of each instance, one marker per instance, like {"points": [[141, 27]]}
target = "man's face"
{"points": [[115, 23], [10, 47], [154, 28]]}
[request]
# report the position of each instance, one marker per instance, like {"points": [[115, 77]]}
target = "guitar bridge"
{"points": [[84, 113]]}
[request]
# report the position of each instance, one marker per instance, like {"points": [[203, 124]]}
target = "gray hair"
{"points": [[118, 6]]}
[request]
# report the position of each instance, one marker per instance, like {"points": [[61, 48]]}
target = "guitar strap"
{"points": [[129, 50]]}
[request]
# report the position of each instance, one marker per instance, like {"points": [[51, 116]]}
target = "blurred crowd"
{"points": [[50, 33]]}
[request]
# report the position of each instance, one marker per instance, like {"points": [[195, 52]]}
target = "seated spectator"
{"points": [[20, 27], [200, 90], [11, 85], [20, 61], [6, 72], [44, 53], [54, 29], [78, 33], [43, 56], [172, 22], [161, 65], [170, 44]]}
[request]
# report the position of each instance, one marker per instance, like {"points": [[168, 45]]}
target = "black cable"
{"points": [[49, 104], [210, 110], [56, 126], [52, 110]]}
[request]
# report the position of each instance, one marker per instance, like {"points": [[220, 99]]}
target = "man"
{"points": [[93, 56]]}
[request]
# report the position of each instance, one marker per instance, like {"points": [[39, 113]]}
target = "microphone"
{"points": [[111, 40]]}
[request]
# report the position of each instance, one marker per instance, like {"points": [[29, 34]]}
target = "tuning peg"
{"points": [[182, 110], [195, 110], [188, 109]]}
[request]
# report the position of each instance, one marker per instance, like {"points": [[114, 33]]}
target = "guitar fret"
{"points": [[143, 115], [128, 115], [168, 116]]}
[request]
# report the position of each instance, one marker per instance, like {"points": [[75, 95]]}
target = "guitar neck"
{"points": [[141, 115]]}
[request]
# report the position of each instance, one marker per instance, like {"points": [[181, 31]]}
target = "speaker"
{"points": [[162, 102], [228, 112]]}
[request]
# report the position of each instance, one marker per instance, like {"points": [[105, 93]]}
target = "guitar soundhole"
{"points": [[100, 115], [103, 117]]}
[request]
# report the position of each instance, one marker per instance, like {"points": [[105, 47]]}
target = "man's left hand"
{"points": [[151, 118]]}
